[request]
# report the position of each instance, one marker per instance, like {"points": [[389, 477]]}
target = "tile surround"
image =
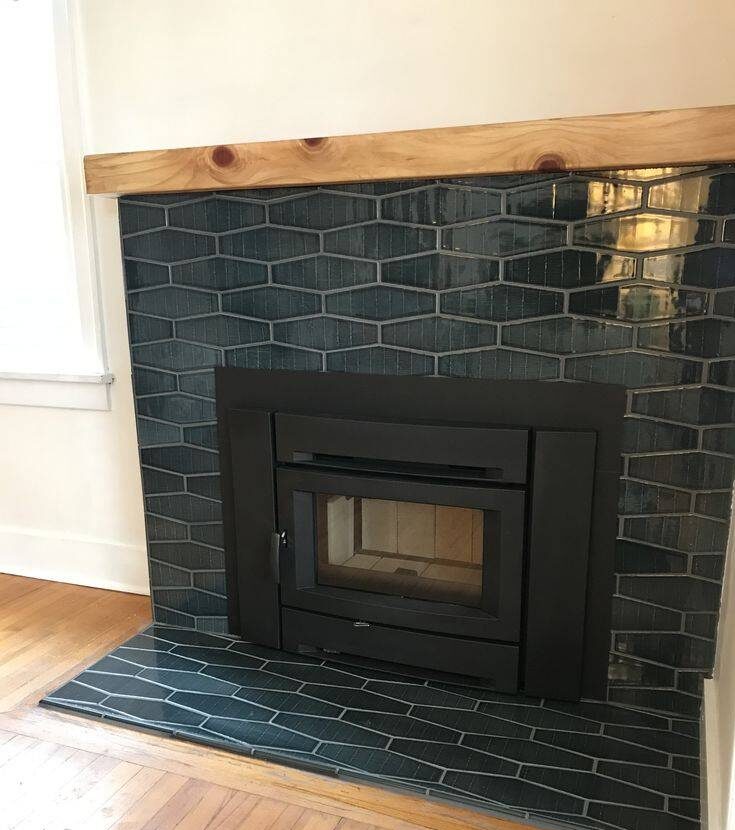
{"points": [[588, 765], [620, 276]]}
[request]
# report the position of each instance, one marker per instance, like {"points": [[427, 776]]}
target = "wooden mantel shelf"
{"points": [[630, 140]]}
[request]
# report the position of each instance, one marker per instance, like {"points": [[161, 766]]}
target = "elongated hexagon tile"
{"points": [[168, 245], [709, 193], [219, 273], [272, 303], [696, 470], [325, 333], [179, 409], [633, 369], [503, 237], [501, 302], [569, 268], [273, 356], [176, 355], [320, 211], [324, 273], [700, 405], [441, 205], [144, 329], [380, 302], [216, 215], [565, 335], [639, 497], [135, 218], [707, 268], [644, 232], [438, 334], [638, 302], [499, 364], [700, 338], [269, 244], [172, 302], [575, 199], [440, 271], [222, 330], [379, 240]]}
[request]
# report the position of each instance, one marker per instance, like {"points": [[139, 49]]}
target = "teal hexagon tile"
{"points": [[168, 245], [163, 199], [644, 232], [201, 436], [222, 330], [272, 302], [211, 535], [441, 205], [499, 364], [143, 329], [624, 671], [172, 302], [219, 273], [273, 356], [265, 194], [181, 459], [725, 303], [501, 302], [629, 615], [197, 383], [145, 274], [702, 405], [716, 505], [693, 470], [184, 507], [722, 372], [440, 271], [707, 268], [325, 333], [503, 237], [269, 244], [321, 211], [216, 215], [212, 582], [633, 369], [151, 433], [324, 273], [151, 381], [189, 601], [438, 334], [703, 625], [575, 199], [638, 302], [188, 555], [135, 218], [156, 482], [378, 360], [693, 534], [565, 335], [176, 356], [709, 193], [380, 240], [637, 557], [639, 497], [380, 302], [206, 486], [699, 338], [176, 408], [166, 576], [642, 435], [719, 439], [569, 269]]}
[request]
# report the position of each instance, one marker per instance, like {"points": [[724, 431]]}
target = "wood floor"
{"points": [[62, 772]]}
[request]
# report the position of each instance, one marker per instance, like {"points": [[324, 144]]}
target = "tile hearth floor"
{"points": [[587, 765]]}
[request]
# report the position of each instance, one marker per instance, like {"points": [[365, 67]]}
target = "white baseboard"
{"points": [[711, 786], [97, 563]]}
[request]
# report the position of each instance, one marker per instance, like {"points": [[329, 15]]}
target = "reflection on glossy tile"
{"points": [[708, 268], [696, 194], [702, 338], [638, 302], [569, 269], [574, 199], [644, 232], [646, 174]]}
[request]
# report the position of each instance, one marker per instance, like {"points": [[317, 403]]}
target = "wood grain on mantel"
{"points": [[630, 140]]}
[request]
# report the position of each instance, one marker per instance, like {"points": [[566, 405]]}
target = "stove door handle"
{"points": [[278, 543]]}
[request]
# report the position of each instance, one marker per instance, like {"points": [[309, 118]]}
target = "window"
{"points": [[49, 322]]}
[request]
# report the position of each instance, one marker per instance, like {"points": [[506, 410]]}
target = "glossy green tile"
{"points": [[644, 232], [565, 335], [709, 193], [321, 211], [569, 268], [637, 303], [441, 205], [575, 199], [503, 237]]}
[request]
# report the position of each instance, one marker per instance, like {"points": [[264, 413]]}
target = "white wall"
{"points": [[185, 72]]}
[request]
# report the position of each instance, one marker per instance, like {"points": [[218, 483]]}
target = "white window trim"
{"points": [[71, 391]]}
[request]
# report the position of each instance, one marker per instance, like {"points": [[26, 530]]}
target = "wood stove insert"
{"points": [[462, 525]]}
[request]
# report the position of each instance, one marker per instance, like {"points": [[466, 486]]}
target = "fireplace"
{"points": [[464, 526]]}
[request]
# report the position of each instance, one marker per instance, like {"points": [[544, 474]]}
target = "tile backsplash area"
{"points": [[625, 276]]}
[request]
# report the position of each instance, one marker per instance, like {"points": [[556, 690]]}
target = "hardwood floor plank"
{"points": [[149, 806], [59, 770]]}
